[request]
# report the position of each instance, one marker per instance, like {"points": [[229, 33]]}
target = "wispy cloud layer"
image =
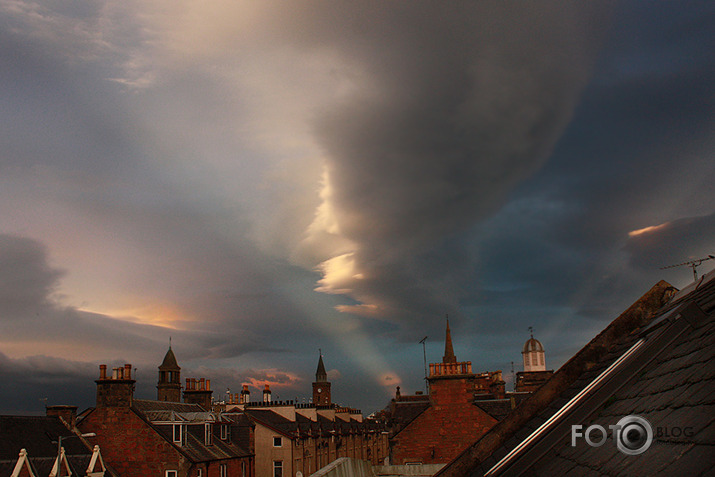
{"points": [[200, 170]]}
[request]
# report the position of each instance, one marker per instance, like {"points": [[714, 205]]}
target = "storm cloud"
{"points": [[434, 138], [261, 180]]}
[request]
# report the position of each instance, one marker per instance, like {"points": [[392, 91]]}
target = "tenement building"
{"points": [[166, 438], [461, 405], [299, 439]]}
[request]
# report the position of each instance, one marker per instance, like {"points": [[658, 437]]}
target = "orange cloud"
{"points": [[274, 378], [647, 230]]}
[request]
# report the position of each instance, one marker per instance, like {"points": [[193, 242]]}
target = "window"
{"points": [[277, 442], [208, 435], [171, 473], [224, 432], [177, 435], [277, 468], [222, 470], [243, 469], [199, 473]]}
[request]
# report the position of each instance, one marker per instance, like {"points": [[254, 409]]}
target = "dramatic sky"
{"points": [[261, 180]]}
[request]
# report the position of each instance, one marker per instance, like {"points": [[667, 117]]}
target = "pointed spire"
{"points": [[449, 356], [169, 362], [321, 375]]}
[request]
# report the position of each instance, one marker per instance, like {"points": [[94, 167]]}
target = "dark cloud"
{"points": [[443, 129], [26, 279], [672, 243], [485, 160]]}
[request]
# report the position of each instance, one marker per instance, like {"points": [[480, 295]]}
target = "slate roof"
{"points": [[161, 415], [273, 420], [304, 427], [654, 361], [36, 434], [145, 405], [497, 408]]}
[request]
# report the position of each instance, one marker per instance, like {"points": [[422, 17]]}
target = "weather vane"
{"points": [[692, 263]]}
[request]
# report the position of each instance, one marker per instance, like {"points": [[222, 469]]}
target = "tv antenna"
{"points": [[424, 355], [513, 377], [692, 263]]}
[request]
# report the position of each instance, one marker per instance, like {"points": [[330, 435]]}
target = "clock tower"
{"points": [[321, 386]]}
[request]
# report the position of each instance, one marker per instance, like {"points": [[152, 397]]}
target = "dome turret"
{"points": [[532, 344], [533, 354]]}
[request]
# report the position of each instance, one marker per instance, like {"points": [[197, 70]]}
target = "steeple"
{"points": [[321, 386], [320, 375], [169, 386], [449, 356]]}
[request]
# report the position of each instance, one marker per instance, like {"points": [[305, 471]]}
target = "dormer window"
{"points": [[178, 434], [208, 435]]}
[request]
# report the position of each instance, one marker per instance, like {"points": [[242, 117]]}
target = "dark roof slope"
{"points": [[38, 435], [157, 414], [497, 408], [654, 360], [35, 434], [145, 405], [273, 420]]}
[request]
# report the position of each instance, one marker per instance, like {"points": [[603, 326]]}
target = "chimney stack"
{"points": [[116, 390], [198, 391], [245, 394]]}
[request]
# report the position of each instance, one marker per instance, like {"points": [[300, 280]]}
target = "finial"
{"points": [[169, 341], [531, 331]]}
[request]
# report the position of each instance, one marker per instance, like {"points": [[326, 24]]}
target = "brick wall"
{"points": [[444, 429], [130, 445]]}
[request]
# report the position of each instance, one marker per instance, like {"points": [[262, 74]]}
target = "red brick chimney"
{"points": [[116, 390], [198, 391], [245, 394]]}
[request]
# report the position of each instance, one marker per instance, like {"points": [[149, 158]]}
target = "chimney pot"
{"points": [[102, 371], [127, 371]]}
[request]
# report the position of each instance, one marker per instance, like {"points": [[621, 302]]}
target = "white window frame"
{"points": [[279, 440], [180, 429], [199, 472], [223, 470], [224, 432], [171, 473], [277, 468], [208, 434]]}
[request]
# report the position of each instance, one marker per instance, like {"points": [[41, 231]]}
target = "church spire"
{"points": [[321, 386], [449, 356], [321, 375]]}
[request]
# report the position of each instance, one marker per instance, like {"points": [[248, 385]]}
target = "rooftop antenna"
{"points": [[424, 354], [513, 377], [692, 263]]}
